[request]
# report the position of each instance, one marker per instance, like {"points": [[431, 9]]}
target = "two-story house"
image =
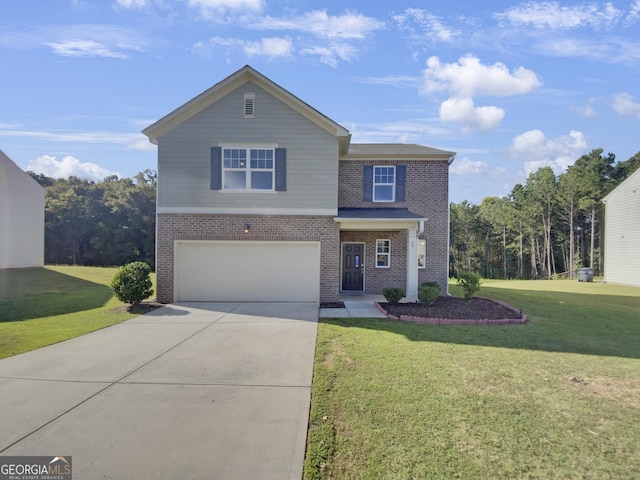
{"points": [[263, 198]]}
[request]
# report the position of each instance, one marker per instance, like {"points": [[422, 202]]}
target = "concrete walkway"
{"points": [[361, 306], [198, 390]]}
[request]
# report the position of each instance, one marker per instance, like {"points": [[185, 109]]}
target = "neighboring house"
{"points": [[622, 232], [261, 197], [21, 217]]}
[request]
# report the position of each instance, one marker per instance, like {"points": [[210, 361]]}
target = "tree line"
{"points": [[547, 227], [106, 223]]}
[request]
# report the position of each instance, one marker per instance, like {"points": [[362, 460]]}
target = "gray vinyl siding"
{"points": [[622, 233], [184, 159]]}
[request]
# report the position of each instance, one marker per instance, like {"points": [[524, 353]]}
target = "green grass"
{"points": [[42, 306], [558, 397]]}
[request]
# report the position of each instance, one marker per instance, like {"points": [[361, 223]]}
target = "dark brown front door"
{"points": [[353, 267]]}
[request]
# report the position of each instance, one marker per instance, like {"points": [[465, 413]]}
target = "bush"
{"points": [[470, 282], [393, 295], [428, 292], [132, 283]]}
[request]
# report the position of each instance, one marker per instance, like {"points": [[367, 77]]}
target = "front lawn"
{"points": [[42, 306], [558, 397]]}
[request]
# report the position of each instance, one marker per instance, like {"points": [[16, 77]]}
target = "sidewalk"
{"points": [[360, 306]]}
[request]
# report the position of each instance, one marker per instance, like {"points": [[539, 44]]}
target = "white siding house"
{"points": [[21, 217], [622, 233]]}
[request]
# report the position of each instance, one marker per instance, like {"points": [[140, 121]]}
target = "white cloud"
{"points": [[470, 117], [464, 166], [68, 166], [422, 27], [350, 26], [587, 111], [623, 104], [468, 78], [330, 54], [634, 14], [272, 48], [536, 150], [84, 48], [209, 8], [142, 144], [84, 40], [410, 130], [330, 38], [130, 140], [133, 3], [390, 80], [552, 15]]}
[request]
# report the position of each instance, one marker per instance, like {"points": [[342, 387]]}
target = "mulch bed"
{"points": [[142, 308], [455, 311]]}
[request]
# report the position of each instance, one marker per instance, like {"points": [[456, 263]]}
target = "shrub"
{"points": [[393, 295], [470, 282], [132, 283], [428, 292]]}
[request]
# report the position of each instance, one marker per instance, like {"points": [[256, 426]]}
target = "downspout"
{"points": [[451, 159]]}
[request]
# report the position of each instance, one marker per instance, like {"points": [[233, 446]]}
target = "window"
{"points": [[384, 184], [248, 168], [422, 254], [249, 105], [383, 253]]}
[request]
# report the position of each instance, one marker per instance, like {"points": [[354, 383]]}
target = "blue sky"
{"points": [[509, 86]]}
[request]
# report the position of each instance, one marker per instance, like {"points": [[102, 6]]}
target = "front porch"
{"points": [[379, 248]]}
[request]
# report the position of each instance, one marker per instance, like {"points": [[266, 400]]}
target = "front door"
{"points": [[353, 267]]}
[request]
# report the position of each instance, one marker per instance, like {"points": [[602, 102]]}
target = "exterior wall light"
{"points": [[247, 227]]}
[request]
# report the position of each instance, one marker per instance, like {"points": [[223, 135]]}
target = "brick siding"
{"points": [[173, 227], [427, 194], [375, 279]]}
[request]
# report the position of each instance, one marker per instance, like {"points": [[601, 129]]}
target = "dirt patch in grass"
{"points": [[625, 391], [455, 308]]}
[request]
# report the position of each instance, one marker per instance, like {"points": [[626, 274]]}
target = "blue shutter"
{"points": [[281, 169], [216, 168], [367, 183], [401, 175]]}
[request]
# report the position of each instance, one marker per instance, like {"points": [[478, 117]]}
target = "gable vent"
{"points": [[249, 104]]}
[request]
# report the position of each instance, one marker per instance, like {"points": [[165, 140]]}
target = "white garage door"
{"points": [[247, 271]]}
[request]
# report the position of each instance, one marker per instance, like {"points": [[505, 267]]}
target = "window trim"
{"points": [[387, 254], [393, 184], [422, 250], [247, 169]]}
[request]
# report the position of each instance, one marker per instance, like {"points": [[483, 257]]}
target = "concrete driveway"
{"points": [[193, 390]]}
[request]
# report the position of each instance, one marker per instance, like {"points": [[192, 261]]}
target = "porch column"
{"points": [[412, 265]]}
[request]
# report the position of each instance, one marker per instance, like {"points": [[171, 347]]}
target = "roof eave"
{"points": [[445, 156]]}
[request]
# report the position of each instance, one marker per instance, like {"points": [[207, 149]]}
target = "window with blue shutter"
{"points": [[281, 169], [367, 183], [248, 168], [216, 168], [401, 174], [384, 183]]}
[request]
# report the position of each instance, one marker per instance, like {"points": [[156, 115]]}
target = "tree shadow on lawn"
{"points": [[607, 325], [26, 294]]}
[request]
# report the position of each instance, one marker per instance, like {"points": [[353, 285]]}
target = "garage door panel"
{"points": [[247, 271]]}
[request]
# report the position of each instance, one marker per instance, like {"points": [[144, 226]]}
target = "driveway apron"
{"points": [[191, 390]]}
